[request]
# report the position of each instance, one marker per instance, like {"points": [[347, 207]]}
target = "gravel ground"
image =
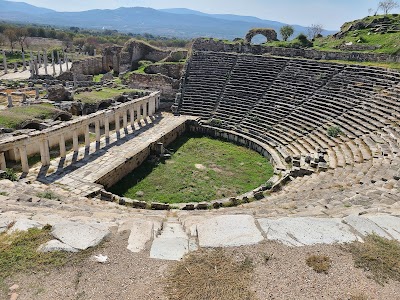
{"points": [[134, 276]]}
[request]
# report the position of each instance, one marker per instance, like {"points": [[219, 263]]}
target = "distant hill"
{"points": [[22, 7], [181, 23]]}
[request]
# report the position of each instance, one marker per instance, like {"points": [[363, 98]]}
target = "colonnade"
{"points": [[23, 146]]}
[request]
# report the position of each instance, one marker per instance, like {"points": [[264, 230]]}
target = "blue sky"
{"points": [[330, 13]]}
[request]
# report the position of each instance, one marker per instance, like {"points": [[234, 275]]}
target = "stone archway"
{"points": [[269, 33]]}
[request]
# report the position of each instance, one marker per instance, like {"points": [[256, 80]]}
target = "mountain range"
{"points": [[174, 22]]}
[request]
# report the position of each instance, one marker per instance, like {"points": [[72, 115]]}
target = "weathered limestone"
{"points": [[80, 235], [63, 151], [142, 231], [9, 101], [23, 61], [44, 152], [3, 164], [53, 63], [23, 225], [56, 245], [45, 62], [228, 231], [307, 231], [24, 159]]}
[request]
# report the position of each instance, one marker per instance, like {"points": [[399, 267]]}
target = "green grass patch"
{"points": [[379, 256], [201, 169], [97, 78], [18, 252], [13, 117], [104, 94]]}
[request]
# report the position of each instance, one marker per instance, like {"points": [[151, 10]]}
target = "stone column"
{"points": [[66, 60], [36, 67], [75, 81], [10, 102], [53, 63], [75, 142], [132, 115], [125, 119], [59, 62], [45, 62], [117, 125], [97, 130], [94, 52], [44, 153], [31, 69], [39, 60], [24, 99], [139, 113], [87, 136], [107, 127], [144, 110], [37, 94], [23, 61], [63, 152], [5, 62], [24, 159], [3, 164], [15, 67]]}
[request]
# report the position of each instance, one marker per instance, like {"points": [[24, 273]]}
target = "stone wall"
{"points": [[134, 51], [89, 66], [173, 70], [220, 46], [132, 163], [168, 86]]}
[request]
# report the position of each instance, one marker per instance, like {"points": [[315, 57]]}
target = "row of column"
{"points": [[142, 111], [36, 62]]}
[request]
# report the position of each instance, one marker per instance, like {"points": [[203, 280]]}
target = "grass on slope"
{"points": [[104, 94], [379, 256], [201, 169], [210, 274], [11, 118]]}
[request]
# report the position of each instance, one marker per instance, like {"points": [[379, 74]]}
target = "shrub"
{"points": [[319, 263], [304, 41], [48, 195], [216, 122], [334, 131], [10, 175]]}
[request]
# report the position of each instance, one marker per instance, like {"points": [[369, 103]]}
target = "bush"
{"points": [[319, 263], [304, 41], [216, 122], [334, 131], [48, 195], [10, 175]]}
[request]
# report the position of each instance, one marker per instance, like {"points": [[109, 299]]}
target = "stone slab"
{"points": [[307, 231], [388, 223], [142, 231], [24, 225], [228, 231], [169, 248], [172, 244], [55, 245], [364, 226], [80, 235]]}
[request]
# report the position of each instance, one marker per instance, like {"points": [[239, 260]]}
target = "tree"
{"points": [[315, 30], [387, 5], [11, 36], [286, 32], [22, 34]]}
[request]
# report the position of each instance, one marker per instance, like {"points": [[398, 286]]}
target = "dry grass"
{"points": [[208, 275], [378, 255], [319, 263]]}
